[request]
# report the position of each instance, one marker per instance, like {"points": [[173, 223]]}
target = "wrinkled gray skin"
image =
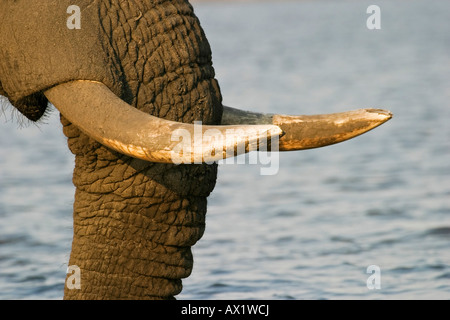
{"points": [[134, 221], [131, 67]]}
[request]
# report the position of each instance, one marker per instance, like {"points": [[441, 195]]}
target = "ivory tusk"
{"points": [[98, 112], [313, 131], [306, 132]]}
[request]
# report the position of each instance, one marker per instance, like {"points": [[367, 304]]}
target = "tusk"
{"points": [[98, 112], [307, 132]]}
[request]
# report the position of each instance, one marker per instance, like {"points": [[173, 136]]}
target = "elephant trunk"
{"points": [[134, 222]]}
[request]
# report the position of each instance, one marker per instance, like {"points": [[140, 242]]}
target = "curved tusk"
{"points": [[98, 112], [313, 131], [306, 132]]}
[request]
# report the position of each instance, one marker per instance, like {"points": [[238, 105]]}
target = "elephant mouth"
{"points": [[97, 111]]}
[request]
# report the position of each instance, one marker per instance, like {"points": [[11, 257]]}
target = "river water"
{"points": [[312, 230]]}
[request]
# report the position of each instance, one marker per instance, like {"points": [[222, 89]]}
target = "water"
{"points": [[311, 231]]}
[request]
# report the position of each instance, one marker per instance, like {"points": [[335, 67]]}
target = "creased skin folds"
{"points": [[134, 221]]}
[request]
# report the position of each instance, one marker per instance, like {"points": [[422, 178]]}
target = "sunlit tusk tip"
{"points": [[379, 114]]}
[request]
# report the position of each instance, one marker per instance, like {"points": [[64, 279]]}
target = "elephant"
{"points": [[124, 80]]}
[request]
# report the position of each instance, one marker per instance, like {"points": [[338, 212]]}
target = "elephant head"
{"points": [[130, 75]]}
